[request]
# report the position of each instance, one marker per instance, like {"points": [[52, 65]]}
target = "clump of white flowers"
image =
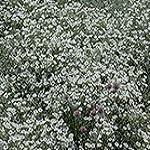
{"points": [[74, 75]]}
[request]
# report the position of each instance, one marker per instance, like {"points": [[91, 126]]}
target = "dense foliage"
{"points": [[75, 75]]}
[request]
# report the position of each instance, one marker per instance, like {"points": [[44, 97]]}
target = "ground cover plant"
{"points": [[75, 75]]}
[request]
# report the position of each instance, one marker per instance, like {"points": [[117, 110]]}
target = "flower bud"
{"points": [[93, 112], [100, 110], [115, 87], [109, 86], [66, 97], [77, 113], [83, 129]]}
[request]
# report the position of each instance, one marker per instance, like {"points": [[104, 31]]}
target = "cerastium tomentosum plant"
{"points": [[74, 75]]}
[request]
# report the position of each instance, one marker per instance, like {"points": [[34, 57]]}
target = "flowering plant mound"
{"points": [[74, 75]]}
